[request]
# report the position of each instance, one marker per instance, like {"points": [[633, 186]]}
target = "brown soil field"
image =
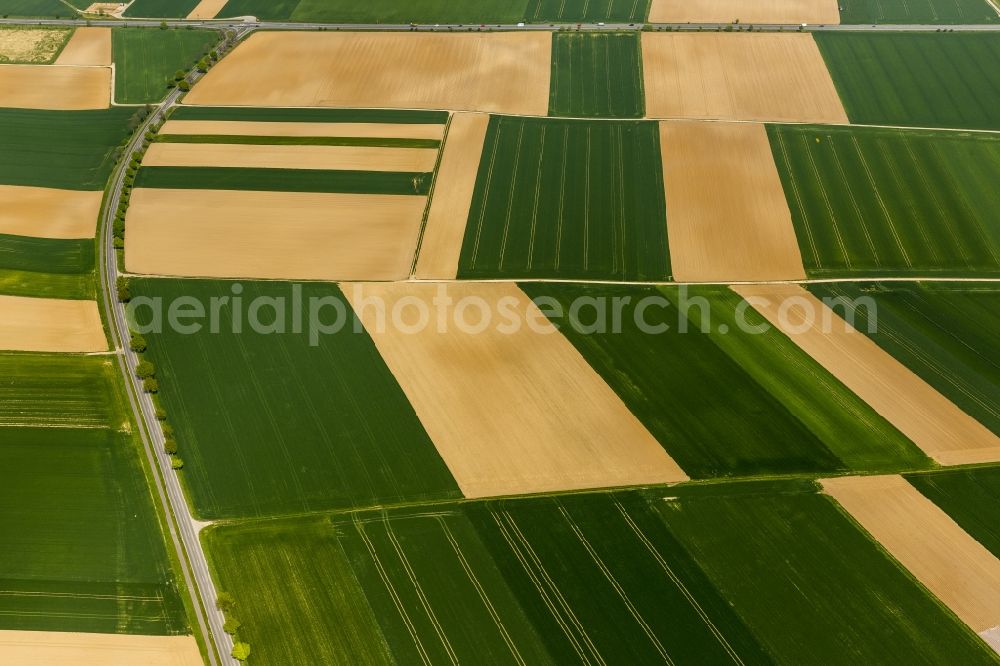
{"points": [[738, 76], [960, 572], [32, 648], [505, 72], [105, 8], [207, 9], [515, 412], [50, 325], [30, 45], [55, 88], [88, 46], [931, 421], [356, 158], [280, 235], [727, 218], [452, 197], [747, 11], [47, 213], [247, 128]]}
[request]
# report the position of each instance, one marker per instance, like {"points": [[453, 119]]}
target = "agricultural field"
{"points": [[354, 439], [944, 332], [722, 402], [73, 150], [46, 267], [596, 76], [81, 549], [568, 199], [949, 80], [175, 9], [589, 11], [971, 497], [296, 115], [283, 180], [924, 12], [35, 8], [745, 11], [147, 58], [54, 390], [36, 46], [55, 88], [872, 201]]}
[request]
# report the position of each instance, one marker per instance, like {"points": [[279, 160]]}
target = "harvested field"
{"points": [[48, 324], [727, 218], [353, 158], [746, 11], [936, 425], [744, 76], [263, 114], [279, 235], [971, 497], [28, 648], [207, 9], [88, 46], [31, 45], [47, 213], [303, 129], [451, 200], [55, 88], [960, 572], [502, 72], [570, 431]]}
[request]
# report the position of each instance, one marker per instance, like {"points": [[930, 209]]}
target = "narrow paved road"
{"points": [[168, 491]]}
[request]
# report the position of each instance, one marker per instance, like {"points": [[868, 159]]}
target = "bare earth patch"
{"points": [[250, 128], [960, 572], [505, 72], [207, 9], [29, 45], [88, 46], [931, 421], [738, 76], [106, 8], [54, 87], [747, 11], [50, 325], [452, 197], [352, 158], [280, 235], [511, 413], [47, 213], [32, 648], [727, 218]]}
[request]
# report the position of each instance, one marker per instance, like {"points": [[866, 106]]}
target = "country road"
{"points": [[168, 491]]}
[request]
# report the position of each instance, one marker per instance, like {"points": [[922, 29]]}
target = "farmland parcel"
{"points": [[745, 11], [47, 213], [54, 87], [319, 236], [55, 390], [871, 201], [246, 128], [503, 72], [356, 158], [937, 426], [570, 199], [47, 267], [31, 45], [744, 76], [147, 58], [281, 426], [454, 186], [50, 325], [728, 219], [921, 80], [596, 75], [33, 647], [570, 432], [961, 12], [971, 497], [88, 46], [725, 403]]}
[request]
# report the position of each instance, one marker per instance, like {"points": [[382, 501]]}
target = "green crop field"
{"points": [[81, 546], [58, 390], [35, 8], [568, 199], [47, 267], [268, 424], [970, 496], [272, 115], [924, 12], [596, 75], [284, 180], [810, 585], [265, 10], [586, 10], [65, 149], [147, 58], [175, 9], [78, 287], [944, 332], [727, 404], [920, 80], [871, 202]]}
